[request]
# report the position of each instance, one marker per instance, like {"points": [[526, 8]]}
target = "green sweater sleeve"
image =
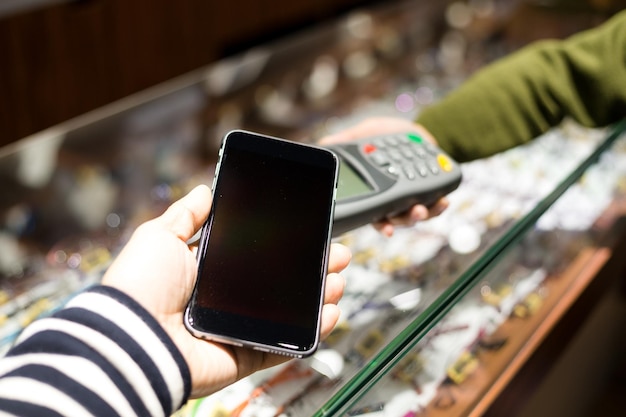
{"points": [[520, 96]]}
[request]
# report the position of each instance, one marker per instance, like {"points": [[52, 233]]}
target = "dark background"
{"points": [[62, 59]]}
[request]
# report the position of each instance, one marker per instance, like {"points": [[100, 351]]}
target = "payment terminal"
{"points": [[383, 176]]}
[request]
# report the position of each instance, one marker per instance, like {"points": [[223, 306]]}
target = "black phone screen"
{"points": [[263, 251]]}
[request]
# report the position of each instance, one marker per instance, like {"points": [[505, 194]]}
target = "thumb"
{"points": [[185, 216]]}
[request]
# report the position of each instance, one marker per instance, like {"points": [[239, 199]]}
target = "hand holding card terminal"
{"points": [[383, 176]]}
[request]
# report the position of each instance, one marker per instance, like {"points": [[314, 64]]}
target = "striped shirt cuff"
{"points": [[102, 354]]}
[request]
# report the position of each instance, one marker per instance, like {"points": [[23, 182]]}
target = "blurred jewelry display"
{"points": [[66, 219]]}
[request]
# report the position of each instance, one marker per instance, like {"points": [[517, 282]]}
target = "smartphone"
{"points": [[263, 251]]}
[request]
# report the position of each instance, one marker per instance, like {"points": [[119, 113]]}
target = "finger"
{"points": [[408, 218], [185, 216], [339, 257], [415, 214], [362, 129], [372, 127], [440, 206], [335, 285], [384, 228], [420, 213], [330, 317], [343, 136]]}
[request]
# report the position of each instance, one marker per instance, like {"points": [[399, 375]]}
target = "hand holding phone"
{"points": [[263, 251]]}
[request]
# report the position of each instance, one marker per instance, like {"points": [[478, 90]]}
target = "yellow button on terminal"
{"points": [[444, 162]]}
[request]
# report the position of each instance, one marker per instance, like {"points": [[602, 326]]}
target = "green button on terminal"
{"points": [[415, 137]]}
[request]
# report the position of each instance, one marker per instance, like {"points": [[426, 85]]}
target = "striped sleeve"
{"points": [[101, 355]]}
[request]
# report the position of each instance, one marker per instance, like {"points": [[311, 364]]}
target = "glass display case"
{"points": [[421, 308], [526, 266]]}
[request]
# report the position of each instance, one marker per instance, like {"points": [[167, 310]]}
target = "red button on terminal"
{"points": [[369, 148]]}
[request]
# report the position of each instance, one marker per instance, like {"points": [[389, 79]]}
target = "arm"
{"points": [[517, 98], [523, 95], [102, 354]]}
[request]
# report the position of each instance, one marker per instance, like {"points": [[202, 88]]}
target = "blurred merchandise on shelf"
{"points": [[74, 193]]}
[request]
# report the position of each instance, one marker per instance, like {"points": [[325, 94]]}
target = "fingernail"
{"points": [[419, 213]]}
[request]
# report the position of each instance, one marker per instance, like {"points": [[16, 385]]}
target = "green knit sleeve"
{"points": [[520, 96]]}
